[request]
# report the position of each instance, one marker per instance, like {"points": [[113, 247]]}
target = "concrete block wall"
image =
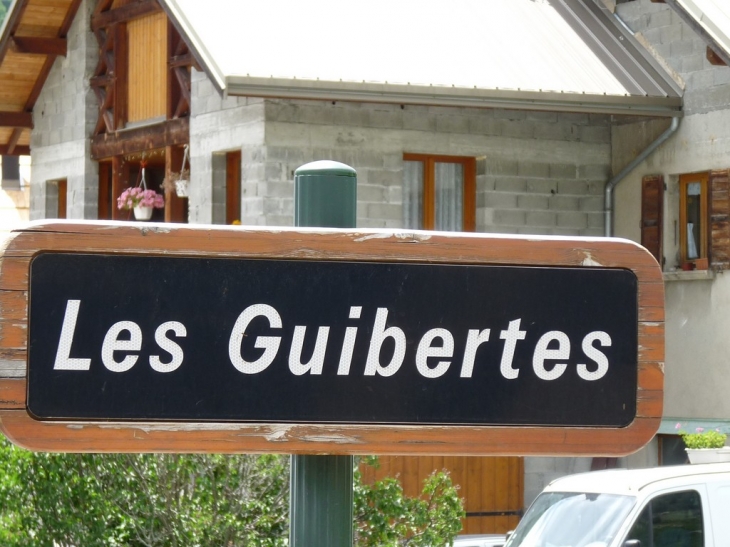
{"points": [[538, 172], [64, 117], [707, 88], [219, 125]]}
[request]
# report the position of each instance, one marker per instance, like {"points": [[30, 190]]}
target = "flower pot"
{"points": [[708, 455], [701, 264], [181, 188], [142, 213], [687, 266]]}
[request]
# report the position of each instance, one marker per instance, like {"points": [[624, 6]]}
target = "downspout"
{"points": [[611, 184]]}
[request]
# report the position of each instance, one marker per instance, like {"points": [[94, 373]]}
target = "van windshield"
{"points": [[570, 519]]}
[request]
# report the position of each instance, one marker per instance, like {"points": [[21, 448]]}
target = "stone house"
{"points": [[527, 117]]}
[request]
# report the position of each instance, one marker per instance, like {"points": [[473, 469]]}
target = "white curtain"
{"points": [[413, 194], [449, 196]]}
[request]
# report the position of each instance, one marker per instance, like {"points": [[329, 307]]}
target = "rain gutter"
{"points": [[611, 184]]}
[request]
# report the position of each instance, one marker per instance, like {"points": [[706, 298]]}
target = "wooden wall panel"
{"points": [[489, 486], [147, 77]]}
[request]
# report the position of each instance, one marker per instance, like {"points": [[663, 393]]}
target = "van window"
{"points": [[572, 519], [670, 520]]}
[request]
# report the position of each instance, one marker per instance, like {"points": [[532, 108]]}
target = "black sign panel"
{"points": [[215, 339]]}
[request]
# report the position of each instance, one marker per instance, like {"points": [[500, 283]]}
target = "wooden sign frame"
{"points": [[329, 245]]}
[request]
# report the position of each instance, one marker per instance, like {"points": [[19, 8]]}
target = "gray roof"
{"points": [[537, 54]]}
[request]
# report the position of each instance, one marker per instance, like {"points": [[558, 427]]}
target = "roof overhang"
{"points": [[710, 19], [579, 57]]}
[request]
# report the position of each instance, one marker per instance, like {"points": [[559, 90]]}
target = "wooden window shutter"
{"points": [[719, 184], [652, 205]]}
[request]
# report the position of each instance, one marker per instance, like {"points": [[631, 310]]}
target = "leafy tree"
{"points": [[167, 500]]}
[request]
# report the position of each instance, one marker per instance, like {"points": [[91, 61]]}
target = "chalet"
{"points": [[559, 117]]}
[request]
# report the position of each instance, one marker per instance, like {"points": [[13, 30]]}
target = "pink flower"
{"points": [[700, 429], [678, 426], [132, 197]]}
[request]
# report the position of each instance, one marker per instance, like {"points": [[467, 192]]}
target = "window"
{"points": [[439, 192], [56, 192], [227, 187], [670, 519], [693, 217]]}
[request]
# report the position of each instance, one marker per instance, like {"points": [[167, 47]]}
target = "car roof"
{"points": [[633, 481]]}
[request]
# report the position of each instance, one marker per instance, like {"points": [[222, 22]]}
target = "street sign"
{"points": [[142, 337]]}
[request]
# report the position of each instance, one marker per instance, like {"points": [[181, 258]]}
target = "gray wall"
{"points": [[538, 172], [697, 318], [64, 117]]}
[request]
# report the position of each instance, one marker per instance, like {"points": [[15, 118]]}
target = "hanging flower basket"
{"points": [[143, 213], [140, 200], [179, 182]]}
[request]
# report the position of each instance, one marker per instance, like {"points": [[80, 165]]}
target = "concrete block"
{"points": [[556, 131], [681, 48], [594, 171], [480, 125], [371, 193], [499, 166], [541, 186], [386, 119], [595, 134], [670, 33], [497, 200], [384, 211], [701, 79], [418, 120], [575, 118], [572, 220], [563, 170], [518, 129], [509, 218], [452, 124], [280, 111], [542, 116], [486, 183], [693, 63], [386, 178], [596, 188], [592, 203], [540, 218], [564, 203], [533, 169], [597, 220], [343, 115], [572, 187], [317, 113], [534, 230], [532, 202], [503, 114], [509, 184], [592, 232]]}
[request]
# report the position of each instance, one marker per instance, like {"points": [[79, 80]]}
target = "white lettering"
{"points": [[112, 343], [542, 354], [169, 346], [63, 359], [270, 344], [473, 340], [380, 333], [295, 353], [348, 344], [510, 337], [598, 356], [426, 350]]}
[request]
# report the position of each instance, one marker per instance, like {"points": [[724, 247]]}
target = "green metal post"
{"points": [[321, 495]]}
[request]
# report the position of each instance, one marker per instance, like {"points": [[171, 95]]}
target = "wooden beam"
{"points": [[16, 119], [125, 13], [129, 141], [40, 46], [17, 150]]}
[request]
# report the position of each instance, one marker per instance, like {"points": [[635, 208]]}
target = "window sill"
{"points": [[692, 275]]}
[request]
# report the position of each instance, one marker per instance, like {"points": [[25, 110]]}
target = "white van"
{"points": [[683, 506]]}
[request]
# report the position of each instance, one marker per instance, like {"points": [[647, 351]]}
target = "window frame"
{"points": [[468, 164], [684, 180]]}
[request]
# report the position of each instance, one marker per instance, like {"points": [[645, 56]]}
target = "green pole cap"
{"points": [[325, 195], [325, 167]]}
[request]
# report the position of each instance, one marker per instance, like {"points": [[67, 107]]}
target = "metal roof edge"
{"points": [[284, 88], [693, 16], [196, 45], [616, 45]]}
